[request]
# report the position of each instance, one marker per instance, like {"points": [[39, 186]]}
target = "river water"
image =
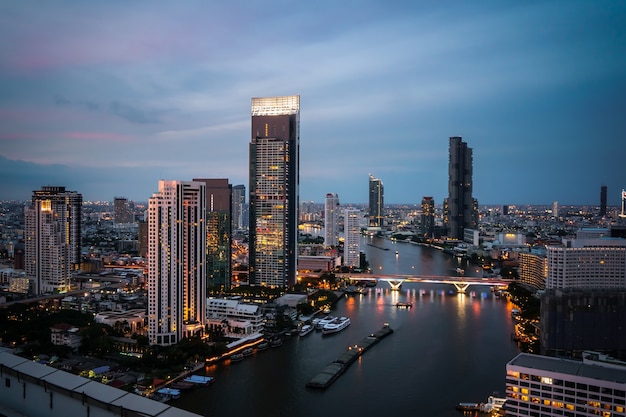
{"points": [[448, 348]]}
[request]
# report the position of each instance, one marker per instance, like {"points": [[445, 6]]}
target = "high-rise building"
{"points": [[239, 199], [331, 224], [460, 209], [53, 238], [544, 386], [219, 231], [352, 238], [603, 201], [274, 190], [428, 217], [555, 209], [121, 210], [376, 202], [532, 270], [176, 261], [587, 263]]}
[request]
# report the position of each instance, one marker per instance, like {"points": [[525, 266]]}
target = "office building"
{"points": [[176, 261], [122, 212], [239, 200], [352, 238], [331, 220], [575, 320], [376, 203], [545, 386], [460, 209], [587, 263], [274, 191], [219, 231], [428, 217], [52, 238], [603, 201]]}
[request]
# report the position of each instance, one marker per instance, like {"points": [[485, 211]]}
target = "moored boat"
{"points": [[247, 351], [276, 342], [263, 346], [306, 329], [468, 406], [199, 379], [323, 322], [336, 325], [404, 305], [236, 357]]}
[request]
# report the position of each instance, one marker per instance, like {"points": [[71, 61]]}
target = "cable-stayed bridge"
{"points": [[395, 281]]}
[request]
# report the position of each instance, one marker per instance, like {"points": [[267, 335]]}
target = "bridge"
{"points": [[461, 283]]}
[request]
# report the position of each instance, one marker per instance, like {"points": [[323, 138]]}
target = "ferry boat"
{"points": [[336, 326], [323, 322], [306, 329], [468, 406], [404, 305]]}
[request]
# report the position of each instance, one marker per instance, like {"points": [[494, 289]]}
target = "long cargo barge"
{"points": [[337, 367]]}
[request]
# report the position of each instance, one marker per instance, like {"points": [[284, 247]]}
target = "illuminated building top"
{"points": [[275, 106]]}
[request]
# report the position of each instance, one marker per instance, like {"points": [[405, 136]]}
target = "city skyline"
{"points": [[110, 109]]}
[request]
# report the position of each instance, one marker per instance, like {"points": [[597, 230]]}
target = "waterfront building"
{"points": [[239, 200], [376, 208], [122, 212], [318, 263], [575, 320], [352, 238], [219, 231], [545, 386], [331, 220], [274, 190], [532, 270], [603, 192], [176, 261], [52, 238], [428, 217], [460, 209], [234, 316], [587, 263]]}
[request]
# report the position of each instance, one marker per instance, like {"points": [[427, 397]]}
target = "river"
{"points": [[448, 348]]}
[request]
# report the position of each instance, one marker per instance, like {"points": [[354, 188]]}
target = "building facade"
{"points": [[52, 224], [239, 200], [176, 261], [545, 386], [122, 212], [603, 193], [533, 269], [376, 202], [219, 231], [428, 217], [352, 238], [460, 208], [587, 263], [274, 190], [331, 220]]}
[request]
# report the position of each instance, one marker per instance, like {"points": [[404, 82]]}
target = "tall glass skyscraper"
{"points": [[274, 190], [331, 225], [428, 217], [239, 199], [176, 261], [376, 202], [53, 238], [460, 209], [352, 238]]}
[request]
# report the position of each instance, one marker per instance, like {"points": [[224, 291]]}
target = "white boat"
{"points": [[306, 329], [323, 322], [336, 325]]}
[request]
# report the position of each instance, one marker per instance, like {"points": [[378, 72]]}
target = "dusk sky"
{"points": [[106, 98]]}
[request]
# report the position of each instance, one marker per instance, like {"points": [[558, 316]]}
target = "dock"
{"points": [[333, 370]]}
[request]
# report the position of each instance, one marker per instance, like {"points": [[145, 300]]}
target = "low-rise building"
{"points": [[64, 334], [237, 319]]}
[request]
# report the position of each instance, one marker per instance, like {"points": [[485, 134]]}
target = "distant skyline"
{"points": [[108, 98]]}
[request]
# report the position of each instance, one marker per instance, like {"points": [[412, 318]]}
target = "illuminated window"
{"points": [[546, 380]]}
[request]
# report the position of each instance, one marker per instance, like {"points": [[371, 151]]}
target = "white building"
{"points": [[176, 261], [352, 238], [587, 263], [331, 223], [242, 319], [547, 386], [64, 334]]}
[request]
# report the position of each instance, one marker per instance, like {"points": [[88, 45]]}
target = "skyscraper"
{"points": [[603, 201], [53, 238], [121, 210], [352, 238], [376, 202], [176, 261], [274, 190], [218, 231], [239, 199], [331, 229], [459, 208], [428, 217]]}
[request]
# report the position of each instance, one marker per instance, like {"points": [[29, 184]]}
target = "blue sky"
{"points": [[107, 98]]}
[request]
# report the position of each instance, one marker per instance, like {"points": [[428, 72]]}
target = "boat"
{"points": [[182, 385], [468, 406], [323, 322], [247, 351], [236, 357], [396, 253], [166, 394], [199, 379], [460, 271], [326, 310], [306, 329], [276, 342], [263, 346], [404, 305], [336, 325]]}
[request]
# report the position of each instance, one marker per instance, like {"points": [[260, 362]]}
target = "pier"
{"points": [[334, 369]]}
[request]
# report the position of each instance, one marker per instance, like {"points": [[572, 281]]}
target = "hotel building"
{"points": [[352, 238], [331, 223], [52, 238], [274, 190], [176, 261]]}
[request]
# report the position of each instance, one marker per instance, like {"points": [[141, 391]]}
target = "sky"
{"points": [[107, 98]]}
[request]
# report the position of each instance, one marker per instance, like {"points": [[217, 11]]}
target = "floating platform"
{"points": [[334, 369]]}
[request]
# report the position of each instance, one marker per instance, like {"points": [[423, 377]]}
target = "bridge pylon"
{"points": [[461, 286], [395, 284]]}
